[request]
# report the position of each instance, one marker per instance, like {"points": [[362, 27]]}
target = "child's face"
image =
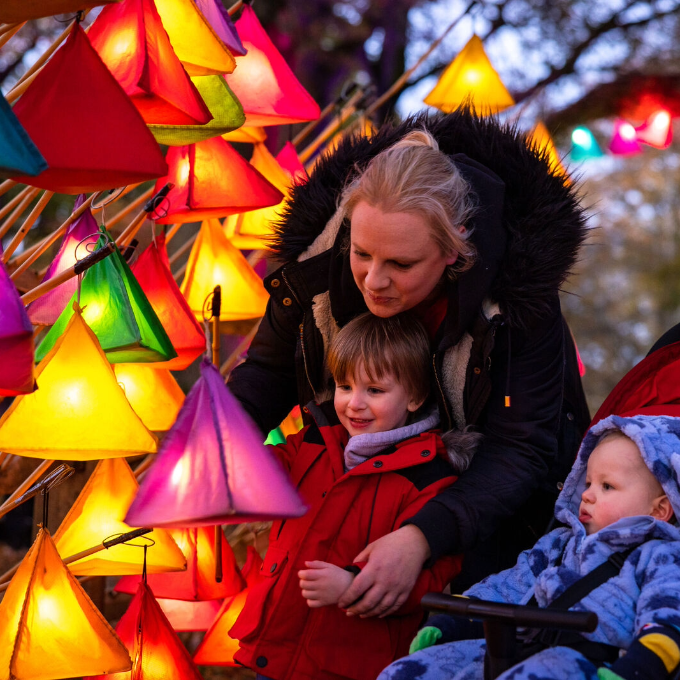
{"points": [[618, 484], [365, 405]]}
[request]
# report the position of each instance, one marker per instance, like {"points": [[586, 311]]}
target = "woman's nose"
{"points": [[376, 278]]}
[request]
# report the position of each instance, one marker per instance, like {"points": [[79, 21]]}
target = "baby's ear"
{"points": [[662, 509]]}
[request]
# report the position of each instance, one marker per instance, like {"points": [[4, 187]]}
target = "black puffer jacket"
{"points": [[504, 333]]}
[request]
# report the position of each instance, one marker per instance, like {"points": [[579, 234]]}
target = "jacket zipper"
{"points": [[441, 391]]}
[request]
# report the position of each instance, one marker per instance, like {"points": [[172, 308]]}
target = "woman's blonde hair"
{"points": [[413, 176]]}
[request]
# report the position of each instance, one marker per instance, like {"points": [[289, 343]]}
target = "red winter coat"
{"points": [[280, 636]]}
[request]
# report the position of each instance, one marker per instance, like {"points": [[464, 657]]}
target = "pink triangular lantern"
{"points": [[220, 21], [624, 141], [290, 162], [16, 341], [83, 231], [656, 130], [264, 83], [213, 468]]}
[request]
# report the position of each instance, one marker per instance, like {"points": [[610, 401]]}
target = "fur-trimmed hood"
{"points": [[527, 228]]}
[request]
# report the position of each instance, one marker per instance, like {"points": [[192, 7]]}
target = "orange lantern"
{"points": [[97, 515], [96, 138], [78, 412], [12, 11], [540, 139], [214, 261], [470, 76], [49, 627], [264, 83], [248, 135], [212, 180], [133, 44]]}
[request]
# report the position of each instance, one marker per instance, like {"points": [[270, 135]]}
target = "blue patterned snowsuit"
{"points": [[646, 591]]}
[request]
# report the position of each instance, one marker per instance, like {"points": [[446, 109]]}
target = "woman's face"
{"points": [[395, 261]]}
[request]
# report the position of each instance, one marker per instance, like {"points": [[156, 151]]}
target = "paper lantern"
{"points": [[656, 130], [152, 392], [96, 138], [540, 139], [470, 76], [584, 145], [264, 83], [81, 235], [16, 341], [194, 40], [133, 44], [18, 153], [214, 261], [217, 648], [116, 309], [212, 180], [157, 652], [12, 11], [97, 515], [247, 135], [624, 141], [226, 110], [220, 21], [78, 412], [49, 627], [152, 271], [290, 162], [212, 467]]}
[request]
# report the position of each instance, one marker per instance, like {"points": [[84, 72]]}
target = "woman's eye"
{"points": [[403, 265], [360, 254]]}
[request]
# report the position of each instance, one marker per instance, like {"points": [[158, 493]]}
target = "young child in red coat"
{"points": [[370, 461]]}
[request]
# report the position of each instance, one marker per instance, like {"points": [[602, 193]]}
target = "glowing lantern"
{"points": [[97, 515], [101, 140], [194, 40], [157, 652], [624, 141], [226, 110], [214, 261], [217, 648], [212, 467], [290, 162], [248, 135], [16, 341], [212, 180], [79, 235], [49, 627], [79, 411], [152, 270], [264, 83], [656, 130], [470, 75], [540, 139], [133, 44], [116, 309], [18, 153], [220, 21], [584, 145], [12, 11]]}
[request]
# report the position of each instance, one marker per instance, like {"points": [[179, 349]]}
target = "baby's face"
{"points": [[618, 484]]}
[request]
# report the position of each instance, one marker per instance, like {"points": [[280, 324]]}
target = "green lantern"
{"points": [[116, 309]]}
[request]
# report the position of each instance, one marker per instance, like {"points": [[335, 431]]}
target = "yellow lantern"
{"points": [[470, 76], [214, 261], [78, 412], [49, 627], [98, 513], [152, 392], [195, 42], [540, 139], [249, 135]]}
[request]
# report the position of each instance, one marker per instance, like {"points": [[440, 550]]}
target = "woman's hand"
{"points": [[393, 565]]}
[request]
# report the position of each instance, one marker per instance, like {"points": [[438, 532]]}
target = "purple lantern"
{"points": [[213, 468], [220, 21]]}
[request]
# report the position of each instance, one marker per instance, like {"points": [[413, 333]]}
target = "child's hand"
{"points": [[322, 583]]}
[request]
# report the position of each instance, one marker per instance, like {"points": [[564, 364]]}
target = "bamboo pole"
{"points": [[6, 186], [144, 466], [235, 7], [129, 232], [3, 457], [242, 346], [10, 503], [140, 200], [28, 223], [180, 272], [18, 211], [14, 202], [8, 27], [8, 35], [312, 124], [172, 232]]}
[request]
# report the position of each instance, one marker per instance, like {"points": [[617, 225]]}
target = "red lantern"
{"points": [[290, 161], [656, 130]]}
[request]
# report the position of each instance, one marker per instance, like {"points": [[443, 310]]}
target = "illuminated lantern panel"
{"points": [[133, 44], [49, 627], [584, 145], [248, 135], [78, 412], [81, 234], [116, 309], [290, 162], [96, 138], [214, 261], [194, 40], [218, 17], [12, 11], [540, 139], [16, 341], [212, 467], [264, 83], [624, 141], [656, 130], [470, 75], [157, 652], [97, 515], [18, 153]]}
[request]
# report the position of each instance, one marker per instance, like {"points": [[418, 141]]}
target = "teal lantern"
{"points": [[584, 145], [18, 153]]}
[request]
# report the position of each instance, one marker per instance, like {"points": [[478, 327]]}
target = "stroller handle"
{"points": [[518, 615]]}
